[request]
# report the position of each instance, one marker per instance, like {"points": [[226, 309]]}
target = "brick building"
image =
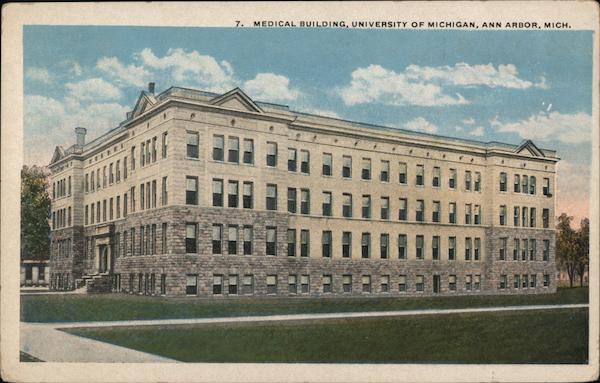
{"points": [[213, 195]]}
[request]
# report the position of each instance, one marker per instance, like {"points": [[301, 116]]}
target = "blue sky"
{"points": [[490, 85]]}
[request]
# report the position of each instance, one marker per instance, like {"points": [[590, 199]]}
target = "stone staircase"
{"points": [[93, 283]]}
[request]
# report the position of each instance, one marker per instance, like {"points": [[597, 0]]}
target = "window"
{"points": [[435, 180], [402, 175], [191, 145], [86, 214], [477, 184], [233, 193], [217, 284], [452, 179], [477, 282], [546, 280], [326, 244], [365, 244], [232, 239], [291, 242], [545, 218], [154, 149], [366, 169], [292, 159], [153, 193], [525, 279], [248, 151], [435, 248], [419, 253], [347, 283], [366, 283], [385, 208], [524, 249], [477, 214], [524, 216], [165, 144], [503, 244], [451, 248], [516, 249], [532, 189], [190, 238], [347, 205], [384, 176], [233, 284], [468, 282], [148, 153], [104, 176], [87, 183], [420, 175], [165, 192], [402, 243], [305, 284], [191, 192], [532, 248], [304, 243], [247, 240], [327, 164], [110, 210], [292, 284], [366, 206], [217, 192], [347, 167], [271, 248], [502, 182], [111, 178], [435, 215], [125, 202], [218, 153], [233, 150], [452, 282], [327, 204], [291, 200], [477, 248], [191, 284], [516, 216], [420, 283], [420, 211], [385, 283], [304, 161], [346, 244], [468, 180], [248, 284], [502, 215], [503, 281], [546, 250], [304, 201], [125, 168], [545, 187], [217, 235], [517, 183], [468, 213], [271, 154], [384, 246], [401, 283], [326, 283], [271, 197], [468, 246], [248, 201], [524, 184], [532, 216], [163, 233], [403, 209]]}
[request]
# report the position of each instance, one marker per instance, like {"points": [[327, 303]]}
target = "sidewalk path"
{"points": [[46, 342]]}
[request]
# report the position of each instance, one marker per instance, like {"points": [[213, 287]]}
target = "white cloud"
{"points": [[125, 75], [468, 121], [39, 74], [95, 89], [270, 87], [465, 75], [75, 69], [568, 128], [321, 112], [477, 132], [421, 125], [376, 84], [192, 68]]}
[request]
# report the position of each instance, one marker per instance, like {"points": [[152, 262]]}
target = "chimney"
{"points": [[151, 87], [80, 134]]}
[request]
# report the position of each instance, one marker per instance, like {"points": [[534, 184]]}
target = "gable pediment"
{"points": [[144, 103], [59, 153], [527, 147], [236, 99]]}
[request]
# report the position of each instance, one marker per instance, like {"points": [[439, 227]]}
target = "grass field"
{"points": [[108, 307], [545, 336]]}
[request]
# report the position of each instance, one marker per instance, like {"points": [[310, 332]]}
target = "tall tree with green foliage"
{"points": [[567, 246], [583, 239], [35, 210]]}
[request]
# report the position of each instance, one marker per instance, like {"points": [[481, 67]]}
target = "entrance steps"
{"points": [[93, 283]]}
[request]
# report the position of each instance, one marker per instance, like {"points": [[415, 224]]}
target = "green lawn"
{"points": [[25, 357], [545, 336], [108, 307]]}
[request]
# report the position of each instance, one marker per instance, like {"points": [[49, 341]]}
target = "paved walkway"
{"points": [[46, 342]]}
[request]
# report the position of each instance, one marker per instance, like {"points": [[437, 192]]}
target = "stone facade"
{"points": [[217, 175]]}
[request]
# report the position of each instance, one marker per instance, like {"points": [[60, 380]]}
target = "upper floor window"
{"points": [[191, 191], [385, 207], [477, 214], [233, 150], [365, 244], [546, 187], [452, 179], [217, 194], [452, 212], [327, 164], [419, 244], [468, 180], [218, 148], [327, 204], [435, 181], [165, 144], [347, 205], [271, 201], [292, 159], [420, 175], [232, 194], [132, 158], [403, 209], [291, 198], [304, 201], [248, 151], [502, 182], [248, 200], [545, 218], [468, 213], [366, 169], [142, 154], [420, 211], [366, 206], [532, 217], [192, 145], [271, 154], [435, 215], [477, 184], [385, 171], [516, 216], [271, 243], [532, 189], [347, 167], [517, 184], [326, 244], [384, 246], [304, 161], [525, 184], [402, 175], [502, 215], [190, 238]]}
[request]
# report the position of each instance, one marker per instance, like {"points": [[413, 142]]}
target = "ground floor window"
{"points": [[152, 283], [305, 284], [402, 283], [420, 283], [131, 278], [366, 283], [217, 284], [347, 283], [452, 282], [248, 284], [233, 284], [546, 280], [477, 282], [468, 282], [191, 284], [140, 283], [271, 284], [503, 279], [326, 283], [163, 284], [292, 284], [385, 283], [517, 281]]}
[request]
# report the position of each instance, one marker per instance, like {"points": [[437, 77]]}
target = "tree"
{"points": [[35, 210], [567, 246], [583, 239]]}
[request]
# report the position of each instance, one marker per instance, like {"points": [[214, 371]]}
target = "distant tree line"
{"points": [[573, 247]]}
